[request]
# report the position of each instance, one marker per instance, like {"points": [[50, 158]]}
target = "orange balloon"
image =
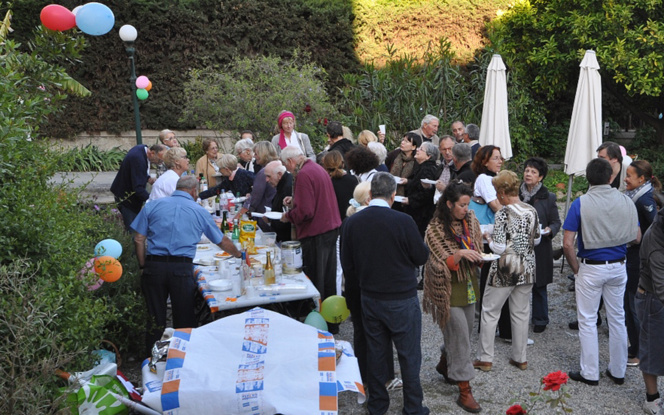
{"points": [[108, 268], [149, 87]]}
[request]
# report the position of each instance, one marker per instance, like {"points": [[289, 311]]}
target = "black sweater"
{"points": [[380, 252]]}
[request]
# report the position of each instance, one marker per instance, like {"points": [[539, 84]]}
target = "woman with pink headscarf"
{"points": [[288, 136]]}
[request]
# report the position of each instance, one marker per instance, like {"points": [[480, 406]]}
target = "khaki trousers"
{"points": [[494, 298]]}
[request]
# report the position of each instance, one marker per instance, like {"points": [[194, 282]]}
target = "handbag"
{"points": [[483, 212]]}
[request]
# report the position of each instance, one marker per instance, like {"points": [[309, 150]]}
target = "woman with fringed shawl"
{"points": [[451, 285]]}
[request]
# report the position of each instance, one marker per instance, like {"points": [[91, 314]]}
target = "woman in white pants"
{"points": [[515, 234]]}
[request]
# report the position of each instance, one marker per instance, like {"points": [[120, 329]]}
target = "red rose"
{"points": [[516, 410], [307, 108], [325, 122], [554, 380]]}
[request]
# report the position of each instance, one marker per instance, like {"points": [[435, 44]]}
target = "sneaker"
{"points": [[529, 343], [633, 362], [394, 384], [652, 408]]}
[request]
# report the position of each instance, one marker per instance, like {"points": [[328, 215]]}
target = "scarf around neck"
{"points": [[282, 135], [527, 195]]}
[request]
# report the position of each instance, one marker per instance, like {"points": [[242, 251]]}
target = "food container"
{"points": [[291, 257]]}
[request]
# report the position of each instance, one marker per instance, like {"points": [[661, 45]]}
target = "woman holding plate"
{"points": [[451, 287], [515, 234], [538, 196]]}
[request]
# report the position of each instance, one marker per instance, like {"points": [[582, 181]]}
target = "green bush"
{"points": [[207, 32], [249, 93], [48, 318], [90, 158]]}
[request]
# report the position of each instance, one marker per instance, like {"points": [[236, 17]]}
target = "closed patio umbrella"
{"points": [[495, 120], [585, 130]]}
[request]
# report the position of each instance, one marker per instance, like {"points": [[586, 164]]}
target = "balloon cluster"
{"points": [[143, 85], [105, 267], [94, 19]]}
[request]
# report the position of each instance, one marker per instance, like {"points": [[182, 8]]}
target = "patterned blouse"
{"points": [[517, 228]]}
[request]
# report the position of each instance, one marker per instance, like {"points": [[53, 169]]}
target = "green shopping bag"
{"points": [[95, 397]]}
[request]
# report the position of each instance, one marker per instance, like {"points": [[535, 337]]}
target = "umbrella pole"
{"points": [[569, 195]]}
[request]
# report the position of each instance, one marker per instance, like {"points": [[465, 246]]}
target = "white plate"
{"points": [[206, 262], [202, 247], [398, 199], [543, 232], [220, 285], [257, 215], [397, 179], [490, 257], [428, 181], [273, 215]]}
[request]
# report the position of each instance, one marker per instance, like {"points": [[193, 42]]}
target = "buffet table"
{"points": [[292, 294]]}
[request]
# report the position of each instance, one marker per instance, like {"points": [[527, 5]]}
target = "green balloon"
{"points": [[334, 309], [142, 94], [314, 319]]}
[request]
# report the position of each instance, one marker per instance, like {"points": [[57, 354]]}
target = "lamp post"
{"points": [[128, 35]]}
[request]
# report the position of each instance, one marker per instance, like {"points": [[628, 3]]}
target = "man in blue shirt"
{"points": [[173, 226], [600, 268]]}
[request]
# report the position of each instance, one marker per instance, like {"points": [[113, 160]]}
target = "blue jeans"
{"points": [[398, 321]]}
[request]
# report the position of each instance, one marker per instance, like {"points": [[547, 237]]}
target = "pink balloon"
{"points": [[56, 17], [142, 82], [88, 273]]}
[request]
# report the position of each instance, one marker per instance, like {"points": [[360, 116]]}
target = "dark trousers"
{"points": [[632, 322], [540, 306], [128, 214], [160, 279], [319, 261], [360, 346], [400, 322]]}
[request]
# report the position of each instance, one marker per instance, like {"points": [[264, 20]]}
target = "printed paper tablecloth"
{"points": [[257, 362]]}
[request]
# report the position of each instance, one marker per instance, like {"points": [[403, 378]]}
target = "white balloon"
{"points": [[128, 33], [76, 9]]}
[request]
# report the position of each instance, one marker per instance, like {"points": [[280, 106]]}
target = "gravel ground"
{"points": [[557, 348]]}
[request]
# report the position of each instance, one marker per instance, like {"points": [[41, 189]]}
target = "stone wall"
{"points": [[126, 140]]}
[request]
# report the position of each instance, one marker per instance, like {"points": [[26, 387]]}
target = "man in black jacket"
{"points": [[278, 177], [133, 176], [335, 134], [386, 274]]}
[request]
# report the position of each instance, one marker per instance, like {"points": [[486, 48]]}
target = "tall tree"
{"points": [[544, 41]]}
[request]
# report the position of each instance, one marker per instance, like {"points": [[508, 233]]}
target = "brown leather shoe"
{"points": [[483, 366], [466, 400], [441, 368], [522, 366]]}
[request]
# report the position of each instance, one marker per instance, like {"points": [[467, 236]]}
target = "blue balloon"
{"points": [[95, 19], [109, 247], [314, 319]]}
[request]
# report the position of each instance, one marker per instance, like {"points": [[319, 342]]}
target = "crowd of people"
{"points": [[448, 220]]}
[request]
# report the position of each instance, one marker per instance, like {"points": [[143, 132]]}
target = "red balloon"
{"points": [[56, 17]]}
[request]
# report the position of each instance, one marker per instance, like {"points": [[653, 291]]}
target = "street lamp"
{"points": [[128, 35]]}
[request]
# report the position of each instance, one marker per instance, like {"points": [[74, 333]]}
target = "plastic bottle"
{"points": [[236, 279], [236, 234], [223, 201], [202, 183]]}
